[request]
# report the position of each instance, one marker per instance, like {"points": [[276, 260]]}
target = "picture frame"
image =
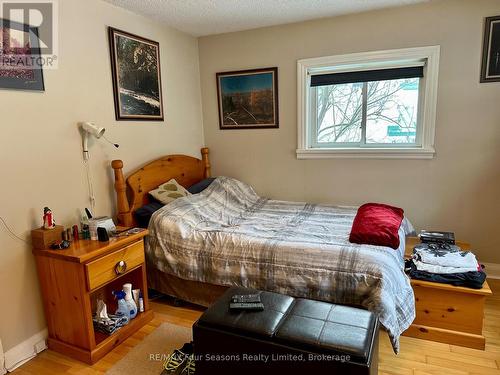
{"points": [[136, 74], [21, 66], [490, 67], [248, 99]]}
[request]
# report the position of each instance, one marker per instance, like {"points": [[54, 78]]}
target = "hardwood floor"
{"points": [[417, 357]]}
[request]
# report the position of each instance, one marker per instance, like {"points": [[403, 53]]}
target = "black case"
{"points": [[439, 237], [102, 234]]}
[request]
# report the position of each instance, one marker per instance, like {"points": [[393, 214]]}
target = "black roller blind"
{"points": [[367, 76]]}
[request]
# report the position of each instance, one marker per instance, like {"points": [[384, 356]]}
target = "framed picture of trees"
{"points": [[490, 68], [248, 99], [135, 65]]}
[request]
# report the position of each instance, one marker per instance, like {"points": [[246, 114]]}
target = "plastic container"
{"points": [[127, 289], [141, 302]]}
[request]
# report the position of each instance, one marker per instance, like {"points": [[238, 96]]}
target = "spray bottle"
{"points": [[123, 308]]}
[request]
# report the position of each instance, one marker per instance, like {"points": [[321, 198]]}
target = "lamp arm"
{"points": [[85, 145]]}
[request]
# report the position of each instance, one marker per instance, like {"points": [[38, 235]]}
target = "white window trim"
{"points": [[370, 60]]}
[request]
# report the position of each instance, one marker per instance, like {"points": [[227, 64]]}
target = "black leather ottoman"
{"points": [[290, 336]]}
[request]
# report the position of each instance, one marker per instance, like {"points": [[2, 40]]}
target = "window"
{"points": [[376, 104]]}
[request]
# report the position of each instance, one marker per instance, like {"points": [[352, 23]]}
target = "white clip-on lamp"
{"points": [[87, 129]]}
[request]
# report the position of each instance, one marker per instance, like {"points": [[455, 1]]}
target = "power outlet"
{"points": [[40, 346]]}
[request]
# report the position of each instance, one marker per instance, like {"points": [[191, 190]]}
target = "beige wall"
{"points": [[40, 149], [458, 190]]}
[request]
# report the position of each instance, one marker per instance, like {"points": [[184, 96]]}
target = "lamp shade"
{"points": [[91, 128]]}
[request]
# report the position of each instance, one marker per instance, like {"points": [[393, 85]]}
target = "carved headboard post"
{"points": [[206, 162], [124, 215]]}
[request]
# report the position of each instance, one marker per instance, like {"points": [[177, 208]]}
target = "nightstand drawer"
{"points": [[107, 268]]}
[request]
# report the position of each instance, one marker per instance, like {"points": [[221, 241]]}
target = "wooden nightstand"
{"points": [[73, 279], [447, 313]]}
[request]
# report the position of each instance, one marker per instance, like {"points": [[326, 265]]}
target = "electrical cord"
{"points": [[90, 184], [11, 232]]}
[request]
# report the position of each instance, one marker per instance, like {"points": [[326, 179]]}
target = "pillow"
{"points": [[169, 191], [144, 213], [377, 224], [200, 186]]}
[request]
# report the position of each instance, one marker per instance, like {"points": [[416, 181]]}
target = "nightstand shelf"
{"points": [[72, 281], [104, 343]]}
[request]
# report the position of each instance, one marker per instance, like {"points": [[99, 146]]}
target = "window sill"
{"points": [[366, 153]]}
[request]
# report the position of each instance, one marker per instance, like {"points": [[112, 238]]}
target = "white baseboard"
{"points": [[3, 370], [492, 270], [25, 351]]}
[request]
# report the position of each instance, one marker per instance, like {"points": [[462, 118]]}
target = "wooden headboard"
{"points": [[133, 192]]}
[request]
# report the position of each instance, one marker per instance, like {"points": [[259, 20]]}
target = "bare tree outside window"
{"points": [[371, 112]]}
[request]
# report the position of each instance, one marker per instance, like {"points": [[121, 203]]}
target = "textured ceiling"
{"points": [[206, 17]]}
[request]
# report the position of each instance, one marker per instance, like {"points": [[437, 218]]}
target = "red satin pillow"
{"points": [[377, 224]]}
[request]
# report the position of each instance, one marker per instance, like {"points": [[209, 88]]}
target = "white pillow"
{"points": [[169, 191]]}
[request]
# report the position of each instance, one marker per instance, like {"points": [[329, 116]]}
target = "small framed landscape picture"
{"points": [[490, 69], [135, 65], [248, 99]]}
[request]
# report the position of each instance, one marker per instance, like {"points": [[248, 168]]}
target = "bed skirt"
{"points": [[196, 292]]}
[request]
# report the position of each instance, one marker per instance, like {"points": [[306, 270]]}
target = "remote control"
{"points": [[246, 298], [247, 306]]}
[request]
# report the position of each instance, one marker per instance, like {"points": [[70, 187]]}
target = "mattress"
{"points": [[228, 235]]}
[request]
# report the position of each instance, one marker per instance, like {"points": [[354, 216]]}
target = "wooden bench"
{"points": [[447, 313]]}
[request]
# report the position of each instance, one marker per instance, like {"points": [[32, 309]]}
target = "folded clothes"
{"points": [[472, 280], [421, 266], [444, 255]]}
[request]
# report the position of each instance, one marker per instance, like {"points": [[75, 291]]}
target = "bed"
{"points": [[228, 235]]}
